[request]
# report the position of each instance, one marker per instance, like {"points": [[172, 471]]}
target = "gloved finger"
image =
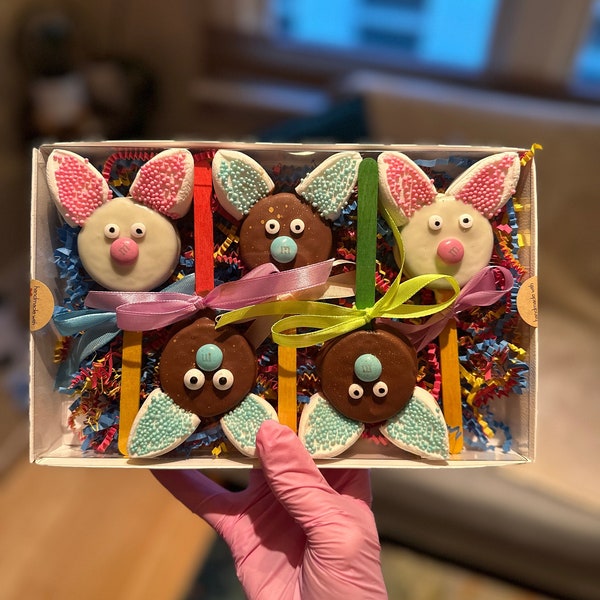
{"points": [[291, 472], [199, 493], [355, 483]]}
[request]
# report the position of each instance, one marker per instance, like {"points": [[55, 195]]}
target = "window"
{"points": [[542, 47], [434, 32], [587, 64]]}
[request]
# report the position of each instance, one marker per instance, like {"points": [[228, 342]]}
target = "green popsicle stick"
{"points": [[366, 235]]}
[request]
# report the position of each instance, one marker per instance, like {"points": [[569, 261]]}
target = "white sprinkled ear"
{"points": [[419, 427], [166, 183], [404, 187], [239, 182], [76, 187], [328, 187], [488, 184], [159, 426]]}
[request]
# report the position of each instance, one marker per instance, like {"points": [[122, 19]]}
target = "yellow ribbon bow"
{"points": [[330, 320]]}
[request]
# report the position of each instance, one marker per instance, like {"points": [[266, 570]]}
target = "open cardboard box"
{"points": [[53, 443]]}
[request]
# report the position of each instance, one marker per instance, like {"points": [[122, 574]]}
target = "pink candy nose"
{"points": [[450, 251], [124, 250]]}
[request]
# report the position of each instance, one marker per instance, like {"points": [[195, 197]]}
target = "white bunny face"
{"points": [[125, 244], [449, 233], [447, 237]]}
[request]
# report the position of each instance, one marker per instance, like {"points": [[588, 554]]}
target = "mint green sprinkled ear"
{"points": [[324, 431], [419, 428], [239, 182], [159, 426], [241, 424], [329, 186]]}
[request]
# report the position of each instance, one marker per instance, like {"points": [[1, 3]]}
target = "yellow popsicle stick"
{"points": [[131, 373], [451, 393]]}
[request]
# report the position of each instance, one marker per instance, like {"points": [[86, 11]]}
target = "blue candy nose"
{"points": [[284, 249]]}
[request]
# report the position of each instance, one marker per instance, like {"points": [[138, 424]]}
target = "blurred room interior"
{"points": [[275, 70]]}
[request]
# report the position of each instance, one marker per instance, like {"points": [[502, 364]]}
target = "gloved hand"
{"points": [[294, 532]]}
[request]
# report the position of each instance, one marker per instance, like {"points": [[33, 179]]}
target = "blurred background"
{"points": [[493, 72]]}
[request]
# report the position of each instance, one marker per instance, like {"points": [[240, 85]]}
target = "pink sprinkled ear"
{"points": [[166, 183], [76, 187], [404, 187], [488, 184]]}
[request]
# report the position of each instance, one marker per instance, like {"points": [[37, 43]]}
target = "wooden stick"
{"points": [[287, 400], [451, 390], [203, 227], [366, 233], [131, 372]]}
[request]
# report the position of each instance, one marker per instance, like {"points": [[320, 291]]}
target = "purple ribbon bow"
{"points": [[144, 311], [480, 290]]}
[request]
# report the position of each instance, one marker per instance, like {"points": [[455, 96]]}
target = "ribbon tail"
{"points": [[83, 346], [421, 335], [147, 316]]}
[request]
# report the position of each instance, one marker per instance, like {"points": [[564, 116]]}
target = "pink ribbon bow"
{"points": [[480, 290], [144, 311]]}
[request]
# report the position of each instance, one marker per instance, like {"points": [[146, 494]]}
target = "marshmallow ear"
{"points": [[76, 187], [166, 183], [488, 184], [404, 187], [329, 186], [239, 182]]}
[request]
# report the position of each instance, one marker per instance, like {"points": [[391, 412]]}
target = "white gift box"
{"points": [[52, 442]]}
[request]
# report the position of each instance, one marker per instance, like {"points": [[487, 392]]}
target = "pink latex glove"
{"points": [[294, 532]]}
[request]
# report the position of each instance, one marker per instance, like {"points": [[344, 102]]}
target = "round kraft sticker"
{"points": [[41, 305], [527, 301]]}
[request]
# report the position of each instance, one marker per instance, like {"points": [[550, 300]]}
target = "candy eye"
{"points": [[138, 230], [111, 231], [193, 379], [355, 391], [435, 222], [380, 389], [465, 221], [223, 379], [297, 226], [272, 226]]}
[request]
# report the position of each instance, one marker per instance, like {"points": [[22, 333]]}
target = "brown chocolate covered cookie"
{"points": [[207, 372], [286, 231], [368, 375]]}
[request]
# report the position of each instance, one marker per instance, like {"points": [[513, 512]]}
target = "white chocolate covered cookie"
{"points": [[447, 233], [125, 244]]}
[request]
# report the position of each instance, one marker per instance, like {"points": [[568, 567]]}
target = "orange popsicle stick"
{"points": [[287, 402]]}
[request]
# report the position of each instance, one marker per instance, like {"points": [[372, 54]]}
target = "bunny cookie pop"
{"points": [[368, 376], [203, 373], [287, 230], [447, 233], [282, 228], [125, 243]]}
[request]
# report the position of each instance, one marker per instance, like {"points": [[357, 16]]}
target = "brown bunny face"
{"points": [[207, 372], [284, 230], [289, 230], [368, 375]]}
